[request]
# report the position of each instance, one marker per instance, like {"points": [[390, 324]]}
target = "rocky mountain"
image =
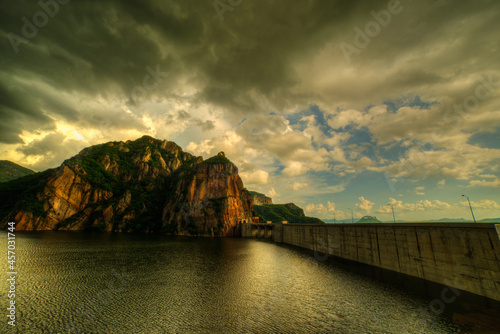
{"points": [[283, 212], [10, 171], [260, 199], [145, 185]]}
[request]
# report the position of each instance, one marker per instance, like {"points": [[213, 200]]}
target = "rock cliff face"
{"points": [[145, 185], [260, 199]]}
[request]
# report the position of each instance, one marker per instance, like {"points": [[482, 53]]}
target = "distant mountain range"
{"points": [[10, 171], [449, 220], [365, 219], [340, 221], [442, 220], [490, 220], [462, 220]]}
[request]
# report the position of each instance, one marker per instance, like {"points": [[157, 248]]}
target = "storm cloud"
{"points": [[302, 88]]}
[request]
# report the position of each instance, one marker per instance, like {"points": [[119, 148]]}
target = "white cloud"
{"points": [[460, 163], [295, 168], [484, 204], [327, 211], [422, 205], [484, 183], [441, 183], [436, 209], [203, 147], [331, 189], [315, 209], [255, 177], [299, 186], [420, 191], [272, 192], [365, 206], [348, 117]]}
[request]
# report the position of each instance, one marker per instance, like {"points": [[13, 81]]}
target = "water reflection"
{"points": [[118, 283]]}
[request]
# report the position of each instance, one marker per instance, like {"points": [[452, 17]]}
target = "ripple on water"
{"points": [[105, 283]]}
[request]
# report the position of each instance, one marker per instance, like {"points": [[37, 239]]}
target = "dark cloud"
{"points": [[205, 125], [183, 115], [53, 147], [93, 58], [103, 48]]}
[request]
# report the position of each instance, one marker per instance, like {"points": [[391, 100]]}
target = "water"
{"points": [[71, 282]]}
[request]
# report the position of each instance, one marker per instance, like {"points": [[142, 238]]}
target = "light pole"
{"points": [[352, 216], [470, 207], [393, 216]]}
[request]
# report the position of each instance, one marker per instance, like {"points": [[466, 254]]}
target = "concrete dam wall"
{"points": [[463, 256]]}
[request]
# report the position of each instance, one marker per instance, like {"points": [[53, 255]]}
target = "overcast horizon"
{"points": [[332, 105]]}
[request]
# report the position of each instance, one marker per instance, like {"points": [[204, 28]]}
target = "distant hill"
{"points": [[442, 220], [490, 220], [450, 220], [362, 220], [338, 221], [260, 199], [369, 219], [283, 212], [10, 171]]}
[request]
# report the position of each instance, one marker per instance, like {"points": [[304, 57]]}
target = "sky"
{"points": [[333, 105]]}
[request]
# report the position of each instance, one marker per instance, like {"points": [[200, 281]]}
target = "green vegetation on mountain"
{"points": [[277, 213], [10, 171], [255, 193], [146, 185], [21, 194], [217, 159]]}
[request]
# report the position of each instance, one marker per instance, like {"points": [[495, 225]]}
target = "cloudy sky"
{"points": [[334, 105]]}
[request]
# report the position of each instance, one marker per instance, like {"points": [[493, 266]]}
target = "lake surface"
{"points": [[71, 282]]}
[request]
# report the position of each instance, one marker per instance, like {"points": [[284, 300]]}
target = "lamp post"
{"points": [[352, 216], [393, 216], [470, 207]]}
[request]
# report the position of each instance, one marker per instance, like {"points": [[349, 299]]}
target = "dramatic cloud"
{"points": [[294, 95]]}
